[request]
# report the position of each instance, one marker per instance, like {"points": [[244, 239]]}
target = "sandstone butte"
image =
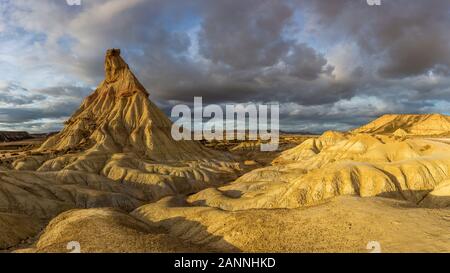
{"points": [[137, 190]]}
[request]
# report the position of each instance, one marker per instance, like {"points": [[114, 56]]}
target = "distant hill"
{"points": [[6, 136], [416, 124]]}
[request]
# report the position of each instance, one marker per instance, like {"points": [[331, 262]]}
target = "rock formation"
{"points": [[114, 180], [427, 124], [6, 136]]}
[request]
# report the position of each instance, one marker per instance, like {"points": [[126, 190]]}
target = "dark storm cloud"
{"points": [[409, 38], [339, 62], [252, 28]]}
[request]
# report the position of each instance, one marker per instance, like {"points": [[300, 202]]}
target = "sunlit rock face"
{"points": [[115, 151]]}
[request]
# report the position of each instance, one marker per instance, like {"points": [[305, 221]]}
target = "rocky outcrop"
{"points": [[338, 164], [119, 118], [425, 124]]}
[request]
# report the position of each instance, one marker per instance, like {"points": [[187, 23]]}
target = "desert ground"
{"points": [[114, 180]]}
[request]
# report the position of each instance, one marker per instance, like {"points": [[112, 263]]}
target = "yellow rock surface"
{"points": [[338, 164], [115, 151], [427, 124], [343, 224]]}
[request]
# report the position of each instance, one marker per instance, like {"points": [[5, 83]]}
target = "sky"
{"points": [[331, 65]]}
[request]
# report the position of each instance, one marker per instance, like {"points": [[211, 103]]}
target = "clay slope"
{"points": [[339, 164], [430, 124]]}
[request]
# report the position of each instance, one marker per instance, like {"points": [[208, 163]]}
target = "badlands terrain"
{"points": [[114, 180]]}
